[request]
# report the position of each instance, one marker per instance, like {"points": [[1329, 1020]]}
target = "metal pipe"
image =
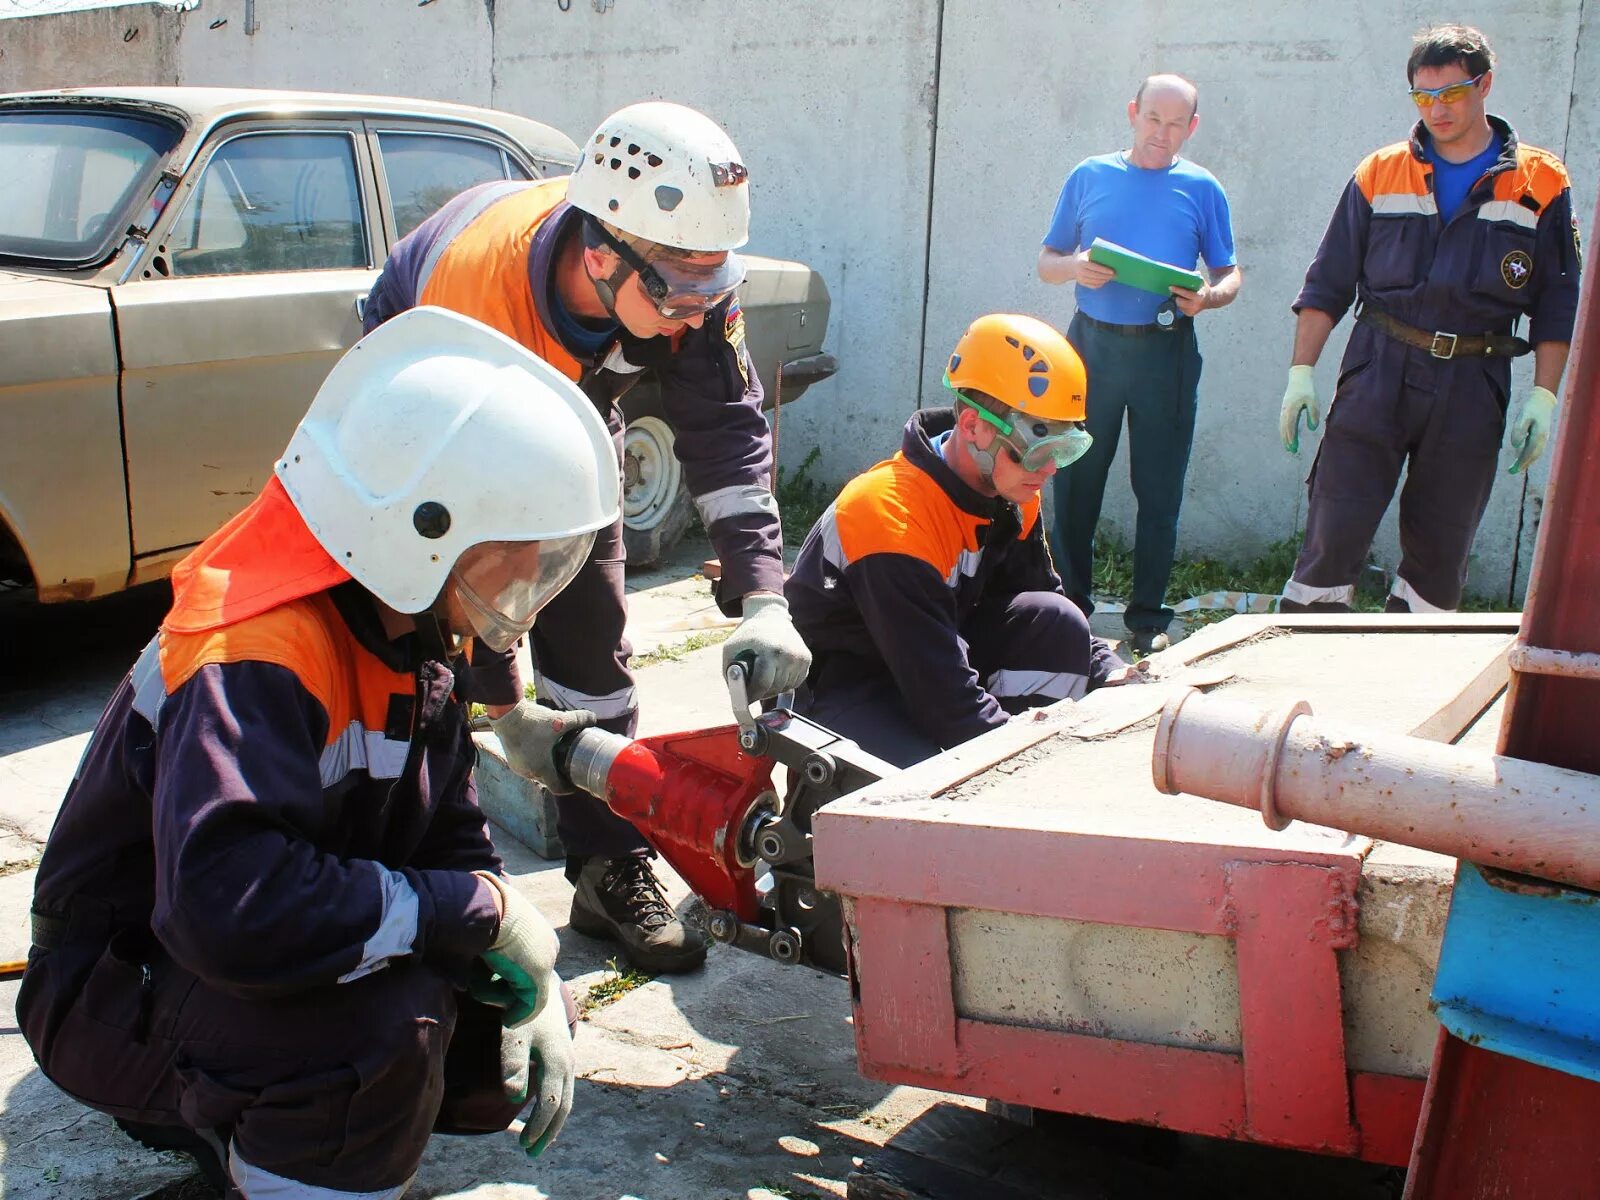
{"points": [[1499, 812], [1538, 660]]}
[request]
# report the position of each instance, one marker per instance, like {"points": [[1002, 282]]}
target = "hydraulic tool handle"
{"points": [[738, 678]]}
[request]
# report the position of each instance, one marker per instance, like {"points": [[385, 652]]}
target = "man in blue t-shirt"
{"points": [[1139, 347]]}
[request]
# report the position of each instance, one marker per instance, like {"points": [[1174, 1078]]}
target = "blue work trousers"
{"points": [[1152, 378]]}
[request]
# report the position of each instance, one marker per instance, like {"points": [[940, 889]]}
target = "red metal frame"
{"points": [[1493, 1126], [1289, 1087]]}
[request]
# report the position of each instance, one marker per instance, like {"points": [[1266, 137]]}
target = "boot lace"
{"points": [[636, 891]]}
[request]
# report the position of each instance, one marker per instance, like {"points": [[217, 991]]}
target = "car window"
{"points": [[73, 180], [427, 169], [273, 202]]}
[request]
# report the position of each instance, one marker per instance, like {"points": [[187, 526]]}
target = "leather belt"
{"points": [[1134, 330], [1446, 345]]}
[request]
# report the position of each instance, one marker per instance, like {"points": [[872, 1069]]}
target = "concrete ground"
{"points": [[736, 1082]]}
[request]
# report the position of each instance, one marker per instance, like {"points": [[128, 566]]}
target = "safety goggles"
{"points": [[1034, 444], [1451, 93], [503, 585], [678, 288]]}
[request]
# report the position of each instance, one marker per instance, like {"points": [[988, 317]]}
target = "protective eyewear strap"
{"points": [[655, 286]]}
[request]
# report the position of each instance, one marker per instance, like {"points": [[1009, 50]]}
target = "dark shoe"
{"points": [[620, 899], [1149, 641], [209, 1150]]}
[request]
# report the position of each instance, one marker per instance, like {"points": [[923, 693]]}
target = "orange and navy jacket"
{"points": [[890, 574], [490, 253], [279, 794], [1511, 250]]}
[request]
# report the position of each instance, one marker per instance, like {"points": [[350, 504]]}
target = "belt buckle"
{"points": [[1450, 351]]}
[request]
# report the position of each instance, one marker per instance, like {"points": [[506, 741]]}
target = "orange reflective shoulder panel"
{"points": [[483, 273], [1394, 170], [893, 508], [1539, 174], [307, 637]]}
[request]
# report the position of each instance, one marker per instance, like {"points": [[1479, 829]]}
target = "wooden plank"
{"points": [[1466, 706]]}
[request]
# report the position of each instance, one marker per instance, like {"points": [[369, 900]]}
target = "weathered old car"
{"points": [[180, 267]]}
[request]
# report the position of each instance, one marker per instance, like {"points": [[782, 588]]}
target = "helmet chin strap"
{"points": [[433, 639], [606, 288], [983, 460]]}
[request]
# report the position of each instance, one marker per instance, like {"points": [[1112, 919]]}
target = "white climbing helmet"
{"points": [[667, 174], [440, 449]]}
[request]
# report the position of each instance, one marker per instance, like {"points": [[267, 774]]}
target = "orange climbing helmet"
{"points": [[1023, 363]]}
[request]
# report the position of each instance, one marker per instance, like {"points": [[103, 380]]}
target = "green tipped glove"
{"points": [[529, 733], [1531, 430], [538, 1062], [1299, 397], [521, 960]]}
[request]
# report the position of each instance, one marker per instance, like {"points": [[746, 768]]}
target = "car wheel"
{"points": [[656, 508]]}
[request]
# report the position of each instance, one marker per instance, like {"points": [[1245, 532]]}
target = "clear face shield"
{"points": [[501, 586]]}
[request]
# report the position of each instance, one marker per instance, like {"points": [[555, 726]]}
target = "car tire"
{"points": [[656, 508]]}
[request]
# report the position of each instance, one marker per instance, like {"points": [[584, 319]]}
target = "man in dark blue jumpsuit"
{"points": [[1443, 241], [625, 268]]}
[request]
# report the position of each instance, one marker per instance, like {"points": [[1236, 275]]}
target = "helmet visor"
{"points": [[503, 585]]}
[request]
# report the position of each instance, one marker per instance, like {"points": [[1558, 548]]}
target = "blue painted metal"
{"points": [[1519, 972]]}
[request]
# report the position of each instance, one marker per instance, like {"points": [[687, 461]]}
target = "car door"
{"points": [[248, 294]]}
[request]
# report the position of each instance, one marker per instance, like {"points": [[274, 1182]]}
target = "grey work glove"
{"points": [[537, 1061], [778, 659], [1300, 396], [522, 958], [529, 733]]}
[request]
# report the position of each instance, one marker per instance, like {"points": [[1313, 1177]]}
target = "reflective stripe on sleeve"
{"points": [[614, 704], [742, 499], [397, 927]]}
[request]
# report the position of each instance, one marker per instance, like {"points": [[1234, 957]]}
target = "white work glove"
{"points": [[779, 659], [1299, 397], [538, 1062], [1531, 430], [521, 959], [529, 733]]}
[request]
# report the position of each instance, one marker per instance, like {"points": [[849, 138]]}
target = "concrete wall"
{"points": [[856, 118], [137, 44]]}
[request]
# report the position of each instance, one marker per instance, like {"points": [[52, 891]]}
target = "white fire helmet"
{"points": [[667, 174], [438, 448]]}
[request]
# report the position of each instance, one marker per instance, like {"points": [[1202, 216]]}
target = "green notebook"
{"points": [[1136, 270]]}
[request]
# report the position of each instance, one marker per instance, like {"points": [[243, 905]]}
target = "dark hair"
{"points": [[1449, 45], [1138, 97]]}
